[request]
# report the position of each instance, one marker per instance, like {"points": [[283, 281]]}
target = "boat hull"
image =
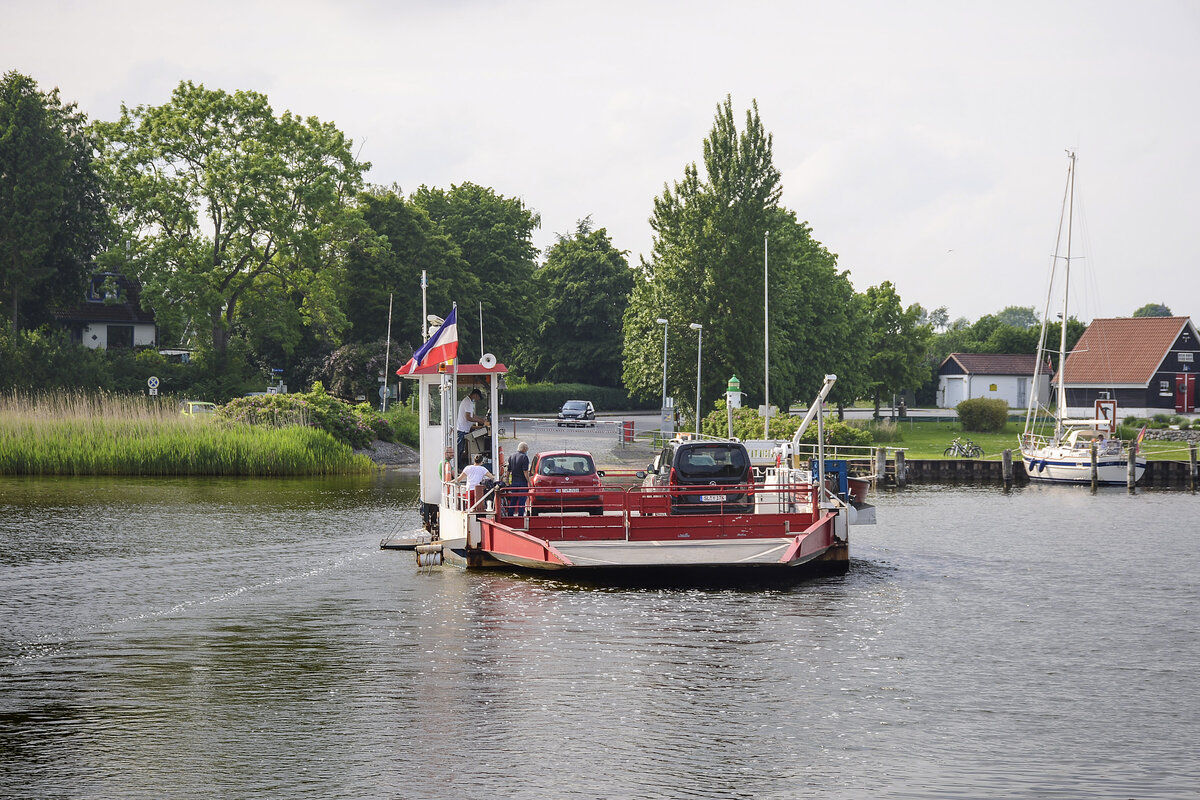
{"points": [[1055, 468]]}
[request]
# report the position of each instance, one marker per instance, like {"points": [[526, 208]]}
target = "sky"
{"points": [[923, 142]]}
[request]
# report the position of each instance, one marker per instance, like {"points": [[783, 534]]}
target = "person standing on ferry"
{"points": [[467, 417]]}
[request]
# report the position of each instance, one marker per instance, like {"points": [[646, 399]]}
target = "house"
{"points": [[1147, 364], [111, 316], [1004, 376]]}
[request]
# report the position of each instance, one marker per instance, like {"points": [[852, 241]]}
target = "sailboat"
{"points": [[1066, 455]]}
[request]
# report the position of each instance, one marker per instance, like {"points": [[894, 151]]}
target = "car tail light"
{"points": [[671, 478]]}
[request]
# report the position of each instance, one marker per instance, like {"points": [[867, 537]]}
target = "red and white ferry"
{"points": [[793, 527]]}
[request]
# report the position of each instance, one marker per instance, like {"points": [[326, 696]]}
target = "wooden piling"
{"points": [[1095, 467], [1131, 471], [881, 465], [1006, 471], [901, 470], [1192, 466]]}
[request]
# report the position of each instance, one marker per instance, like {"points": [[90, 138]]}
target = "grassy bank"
{"points": [[930, 440], [121, 435]]}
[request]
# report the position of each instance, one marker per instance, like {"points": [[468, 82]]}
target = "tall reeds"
{"points": [[102, 434]]}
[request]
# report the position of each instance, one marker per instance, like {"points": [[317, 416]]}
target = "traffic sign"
{"points": [[152, 382]]}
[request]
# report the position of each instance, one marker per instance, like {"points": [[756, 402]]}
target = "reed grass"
{"points": [[103, 434]]}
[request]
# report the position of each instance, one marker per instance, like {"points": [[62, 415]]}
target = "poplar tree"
{"points": [[706, 267]]}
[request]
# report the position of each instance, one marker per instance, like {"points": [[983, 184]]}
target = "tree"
{"points": [[234, 209], [1153, 310], [1018, 317], [706, 267], [494, 235], [406, 242], [583, 289], [52, 207], [896, 343]]}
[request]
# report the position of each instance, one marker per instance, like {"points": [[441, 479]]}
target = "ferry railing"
{"points": [[648, 512]]}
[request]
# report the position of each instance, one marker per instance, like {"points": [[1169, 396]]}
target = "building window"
{"points": [[1164, 388], [120, 337], [1186, 357]]}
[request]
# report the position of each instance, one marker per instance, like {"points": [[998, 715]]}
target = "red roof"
{"points": [[1126, 350], [996, 363]]}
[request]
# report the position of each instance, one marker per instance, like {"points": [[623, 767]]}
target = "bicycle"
{"points": [[959, 449]]}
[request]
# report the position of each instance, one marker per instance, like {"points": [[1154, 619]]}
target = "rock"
{"points": [[392, 455]]}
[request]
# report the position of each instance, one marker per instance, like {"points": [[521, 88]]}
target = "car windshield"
{"points": [[712, 461], [572, 465], [575, 405]]}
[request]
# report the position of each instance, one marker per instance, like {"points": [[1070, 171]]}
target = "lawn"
{"points": [[930, 440]]}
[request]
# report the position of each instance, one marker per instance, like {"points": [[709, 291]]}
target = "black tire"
{"points": [[976, 452], [949, 452]]}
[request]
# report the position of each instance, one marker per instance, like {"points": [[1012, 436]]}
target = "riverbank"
{"points": [[392, 456]]}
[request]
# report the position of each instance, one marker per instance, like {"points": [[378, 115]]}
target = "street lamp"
{"points": [[663, 322], [699, 329]]}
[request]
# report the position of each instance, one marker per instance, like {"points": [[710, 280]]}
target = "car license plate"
{"points": [[712, 498], [568, 490]]}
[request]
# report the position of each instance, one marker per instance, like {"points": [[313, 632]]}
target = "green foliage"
{"points": [[1153, 310], [405, 425], [583, 289], [895, 343], [545, 397], [53, 218], [117, 436], [706, 267], [243, 215], [986, 415], [747, 424], [356, 425], [47, 359], [494, 237]]}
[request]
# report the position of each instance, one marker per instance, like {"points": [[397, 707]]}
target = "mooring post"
{"points": [[1131, 471], [1192, 471], [901, 470], [881, 465], [1095, 467], [1006, 467]]}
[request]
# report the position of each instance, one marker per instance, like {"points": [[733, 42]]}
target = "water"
{"points": [[228, 638]]}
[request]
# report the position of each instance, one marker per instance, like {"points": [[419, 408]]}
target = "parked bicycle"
{"points": [[960, 449]]}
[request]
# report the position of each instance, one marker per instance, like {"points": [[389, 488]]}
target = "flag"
{"points": [[442, 346], [1141, 435]]}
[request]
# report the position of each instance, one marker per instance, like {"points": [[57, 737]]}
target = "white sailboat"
{"points": [[1065, 456]]}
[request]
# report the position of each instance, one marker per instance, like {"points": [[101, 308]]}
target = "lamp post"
{"points": [[699, 329], [663, 322]]}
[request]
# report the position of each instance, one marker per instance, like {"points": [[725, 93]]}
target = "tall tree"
{"points": [[896, 343], [583, 289], [52, 206], [236, 208], [408, 242], [494, 234], [707, 267]]}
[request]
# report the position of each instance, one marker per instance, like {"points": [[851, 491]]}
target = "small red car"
{"points": [[565, 480]]}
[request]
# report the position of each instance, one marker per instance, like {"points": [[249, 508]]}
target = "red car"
{"points": [[565, 480]]}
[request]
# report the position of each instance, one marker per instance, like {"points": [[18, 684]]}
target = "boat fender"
{"points": [[500, 457], [429, 555]]}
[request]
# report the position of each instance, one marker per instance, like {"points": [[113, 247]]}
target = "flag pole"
{"points": [[387, 353]]}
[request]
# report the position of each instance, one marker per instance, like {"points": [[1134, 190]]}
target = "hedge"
{"points": [[983, 415]]}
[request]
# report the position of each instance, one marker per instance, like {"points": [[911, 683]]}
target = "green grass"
{"points": [[930, 440], [110, 435]]}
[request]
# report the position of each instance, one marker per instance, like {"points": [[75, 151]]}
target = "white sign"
{"points": [[153, 391], [152, 382]]}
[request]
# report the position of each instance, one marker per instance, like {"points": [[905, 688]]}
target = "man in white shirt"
{"points": [[467, 417]]}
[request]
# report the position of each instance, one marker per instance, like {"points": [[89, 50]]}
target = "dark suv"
{"points": [[698, 465]]}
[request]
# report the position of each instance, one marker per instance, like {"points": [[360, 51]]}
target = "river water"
{"points": [[233, 638]]}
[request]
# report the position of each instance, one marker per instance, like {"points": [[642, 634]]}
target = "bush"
{"points": [[747, 424], [356, 425], [983, 415], [539, 397]]}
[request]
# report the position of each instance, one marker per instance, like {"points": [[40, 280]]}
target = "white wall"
{"points": [[96, 336], [953, 389]]}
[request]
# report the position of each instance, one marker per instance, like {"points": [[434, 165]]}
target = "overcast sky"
{"points": [[922, 141]]}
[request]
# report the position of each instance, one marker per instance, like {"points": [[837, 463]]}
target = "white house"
{"points": [[111, 316], [1003, 376]]}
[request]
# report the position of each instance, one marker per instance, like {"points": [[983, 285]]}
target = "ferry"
{"points": [[791, 522]]}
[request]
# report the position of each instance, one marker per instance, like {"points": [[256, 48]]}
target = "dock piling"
{"points": [[901, 476], [881, 465], [1006, 468], [1192, 466], [1131, 468], [1095, 468]]}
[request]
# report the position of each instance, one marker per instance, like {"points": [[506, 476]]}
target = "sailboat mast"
{"points": [[1062, 341]]}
